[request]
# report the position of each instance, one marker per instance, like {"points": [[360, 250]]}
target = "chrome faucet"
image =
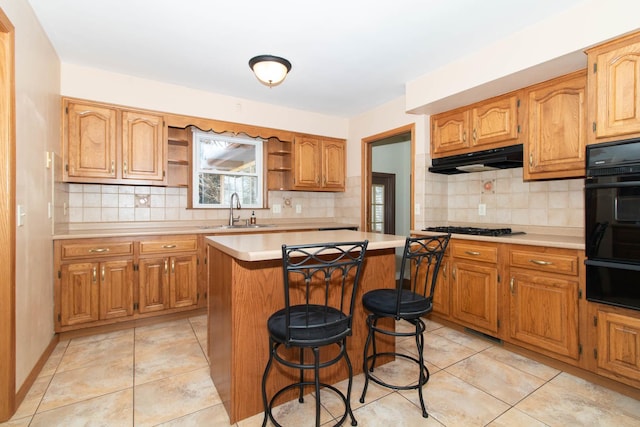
{"points": [[233, 220]]}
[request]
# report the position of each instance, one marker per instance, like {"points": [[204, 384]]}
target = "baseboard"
{"points": [[33, 375]]}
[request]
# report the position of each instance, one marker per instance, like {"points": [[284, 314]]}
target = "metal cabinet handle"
{"points": [[173, 266], [166, 266], [474, 253], [102, 274], [98, 250], [126, 169], [444, 270], [453, 273], [475, 137], [540, 262], [464, 136], [94, 276], [168, 246], [511, 283], [530, 159], [113, 167]]}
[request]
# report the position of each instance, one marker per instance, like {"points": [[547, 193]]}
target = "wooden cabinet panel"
{"points": [[184, 281], [614, 89], [95, 248], [153, 285], [556, 128], [442, 292], [495, 122], [488, 124], [79, 293], [171, 244], [143, 146], [475, 252], [116, 289], [541, 261], [449, 132], [619, 344], [475, 295], [89, 141], [544, 312], [319, 164]]}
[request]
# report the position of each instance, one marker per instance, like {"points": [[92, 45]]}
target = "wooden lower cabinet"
{"points": [[102, 281], [543, 300], [616, 343], [474, 285], [442, 292]]}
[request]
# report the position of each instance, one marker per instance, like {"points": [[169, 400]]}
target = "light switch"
{"points": [[20, 215], [276, 208], [298, 209], [482, 209], [416, 209]]}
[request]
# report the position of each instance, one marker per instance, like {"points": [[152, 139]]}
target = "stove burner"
{"points": [[473, 230]]}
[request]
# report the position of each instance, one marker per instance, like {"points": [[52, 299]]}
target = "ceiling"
{"points": [[348, 56]]}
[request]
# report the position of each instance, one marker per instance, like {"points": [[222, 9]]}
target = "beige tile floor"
{"points": [[158, 376]]}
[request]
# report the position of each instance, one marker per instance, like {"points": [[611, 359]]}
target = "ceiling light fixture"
{"points": [[270, 70]]}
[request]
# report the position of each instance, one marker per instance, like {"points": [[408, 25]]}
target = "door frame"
{"points": [[7, 219], [367, 145]]}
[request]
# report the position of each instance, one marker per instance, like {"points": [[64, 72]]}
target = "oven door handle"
{"points": [[619, 265], [590, 184]]}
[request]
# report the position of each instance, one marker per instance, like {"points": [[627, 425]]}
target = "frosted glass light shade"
{"points": [[270, 70]]}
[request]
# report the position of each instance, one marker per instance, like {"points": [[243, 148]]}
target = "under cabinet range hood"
{"points": [[496, 158]]}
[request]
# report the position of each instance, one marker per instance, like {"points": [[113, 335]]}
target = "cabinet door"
{"points": [[556, 132], [619, 344], [333, 165], [307, 163], [184, 281], [614, 78], [79, 293], [89, 142], [143, 146], [544, 312], [116, 289], [495, 122], [153, 283], [449, 132], [441, 294], [475, 296]]}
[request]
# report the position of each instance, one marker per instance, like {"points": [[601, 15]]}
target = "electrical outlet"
{"points": [[416, 209], [482, 209], [276, 208]]}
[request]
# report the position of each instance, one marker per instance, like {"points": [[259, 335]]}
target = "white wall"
{"points": [[105, 86], [37, 77], [544, 50]]}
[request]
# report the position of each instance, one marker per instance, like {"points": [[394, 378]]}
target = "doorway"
{"points": [[7, 219], [383, 202]]}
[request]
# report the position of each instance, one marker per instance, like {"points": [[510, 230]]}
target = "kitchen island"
{"points": [[245, 287]]}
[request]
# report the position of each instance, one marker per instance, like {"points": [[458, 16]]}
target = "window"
{"points": [[223, 165]]}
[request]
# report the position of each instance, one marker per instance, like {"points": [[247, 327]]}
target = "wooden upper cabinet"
{"points": [[614, 89], [449, 132], [495, 122], [90, 140], [556, 128], [488, 124], [143, 146], [319, 164], [108, 145]]}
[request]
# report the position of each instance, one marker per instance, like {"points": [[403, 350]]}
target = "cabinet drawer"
{"points": [[555, 263], [475, 252], [186, 244], [96, 249]]}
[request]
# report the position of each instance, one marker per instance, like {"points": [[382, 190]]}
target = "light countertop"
{"points": [[268, 246], [164, 228], [535, 239]]}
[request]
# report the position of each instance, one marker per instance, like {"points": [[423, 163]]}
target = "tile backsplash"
{"points": [[94, 203]]}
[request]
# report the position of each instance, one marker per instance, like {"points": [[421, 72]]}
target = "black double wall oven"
{"points": [[612, 223]]}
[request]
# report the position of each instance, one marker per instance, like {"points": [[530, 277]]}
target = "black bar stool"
{"points": [[320, 284], [422, 257]]}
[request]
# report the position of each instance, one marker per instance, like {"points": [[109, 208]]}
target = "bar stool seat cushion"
{"points": [[383, 302], [334, 324]]}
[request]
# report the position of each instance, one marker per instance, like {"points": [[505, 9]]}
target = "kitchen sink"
{"points": [[239, 226]]}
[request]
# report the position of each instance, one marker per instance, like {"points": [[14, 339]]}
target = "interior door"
{"points": [[383, 203]]}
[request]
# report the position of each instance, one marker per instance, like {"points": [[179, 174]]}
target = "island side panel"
{"points": [[219, 333], [257, 293]]}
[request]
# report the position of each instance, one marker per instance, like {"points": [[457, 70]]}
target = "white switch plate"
{"points": [[276, 208], [482, 209], [298, 208], [416, 209], [20, 215]]}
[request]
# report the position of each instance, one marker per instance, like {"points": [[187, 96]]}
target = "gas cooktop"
{"points": [[474, 230]]}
